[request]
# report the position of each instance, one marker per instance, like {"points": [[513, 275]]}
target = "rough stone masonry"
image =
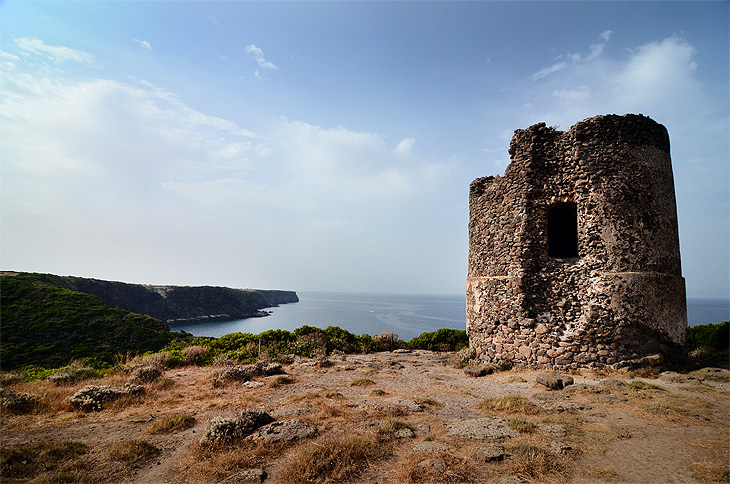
{"points": [[574, 252]]}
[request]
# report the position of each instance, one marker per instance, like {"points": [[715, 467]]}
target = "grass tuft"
{"points": [[132, 451], [642, 385], [171, 423], [391, 425], [362, 382], [508, 404], [521, 425], [335, 460], [538, 465]]}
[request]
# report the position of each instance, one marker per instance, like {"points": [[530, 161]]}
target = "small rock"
{"points": [[284, 431], [477, 371], [652, 360], [249, 476], [483, 429], [490, 453], [402, 350], [405, 434], [421, 428], [553, 381], [674, 377], [560, 447], [252, 384], [553, 430], [431, 446], [711, 374], [585, 388], [432, 465], [409, 405]]}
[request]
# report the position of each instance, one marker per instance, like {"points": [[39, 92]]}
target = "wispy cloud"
{"points": [[258, 55], [58, 54], [144, 44], [595, 51]]}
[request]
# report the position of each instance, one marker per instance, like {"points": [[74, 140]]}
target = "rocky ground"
{"points": [[378, 418]]}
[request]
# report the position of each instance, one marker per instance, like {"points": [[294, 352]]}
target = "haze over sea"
{"points": [[406, 315]]}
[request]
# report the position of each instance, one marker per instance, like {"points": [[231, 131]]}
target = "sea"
{"points": [[406, 315]]}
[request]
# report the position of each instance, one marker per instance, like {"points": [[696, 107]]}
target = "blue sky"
{"points": [[328, 145]]}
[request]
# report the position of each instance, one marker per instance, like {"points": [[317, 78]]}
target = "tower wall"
{"points": [[604, 288]]}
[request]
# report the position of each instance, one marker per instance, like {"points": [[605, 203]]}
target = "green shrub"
{"points": [[713, 335], [444, 339]]}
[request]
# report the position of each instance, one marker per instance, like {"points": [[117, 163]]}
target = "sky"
{"points": [[328, 146]]}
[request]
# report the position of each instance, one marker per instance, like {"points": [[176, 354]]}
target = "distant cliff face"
{"points": [[178, 303]]}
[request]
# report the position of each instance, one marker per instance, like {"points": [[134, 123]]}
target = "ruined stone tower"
{"points": [[574, 252]]}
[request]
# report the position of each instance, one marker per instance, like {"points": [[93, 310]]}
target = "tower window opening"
{"points": [[563, 230]]}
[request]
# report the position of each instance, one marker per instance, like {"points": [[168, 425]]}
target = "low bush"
{"points": [[227, 429], [196, 355], [92, 397], [444, 339], [145, 374], [18, 402], [716, 336]]}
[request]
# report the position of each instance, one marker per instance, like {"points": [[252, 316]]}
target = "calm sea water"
{"points": [[407, 315]]}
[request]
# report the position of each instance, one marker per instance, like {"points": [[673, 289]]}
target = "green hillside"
{"points": [[45, 325]]}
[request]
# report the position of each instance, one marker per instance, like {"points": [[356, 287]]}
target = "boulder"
{"points": [[489, 453], [481, 429], [284, 431], [554, 381]]}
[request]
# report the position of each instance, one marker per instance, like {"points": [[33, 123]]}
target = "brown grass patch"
{"points": [[521, 425], [538, 465], [28, 461], [362, 382], [441, 467], [334, 460], [170, 423], [711, 471], [214, 462], [509, 405], [131, 451]]}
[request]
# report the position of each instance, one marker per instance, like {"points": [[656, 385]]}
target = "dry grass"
{"points": [[24, 462], [390, 426], [711, 471], [521, 425], [508, 405], [538, 465], [441, 467], [212, 463], [171, 423], [642, 385], [339, 459], [131, 451], [362, 382]]}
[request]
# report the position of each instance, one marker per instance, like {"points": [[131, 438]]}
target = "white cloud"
{"points": [[58, 54], [144, 44], [258, 56], [405, 146], [596, 50], [542, 73]]}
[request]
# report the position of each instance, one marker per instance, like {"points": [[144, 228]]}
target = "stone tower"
{"points": [[574, 252]]}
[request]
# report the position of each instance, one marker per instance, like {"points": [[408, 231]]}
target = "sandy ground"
{"points": [[664, 432]]}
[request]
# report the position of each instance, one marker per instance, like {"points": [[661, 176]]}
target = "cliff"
{"points": [[176, 303]]}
